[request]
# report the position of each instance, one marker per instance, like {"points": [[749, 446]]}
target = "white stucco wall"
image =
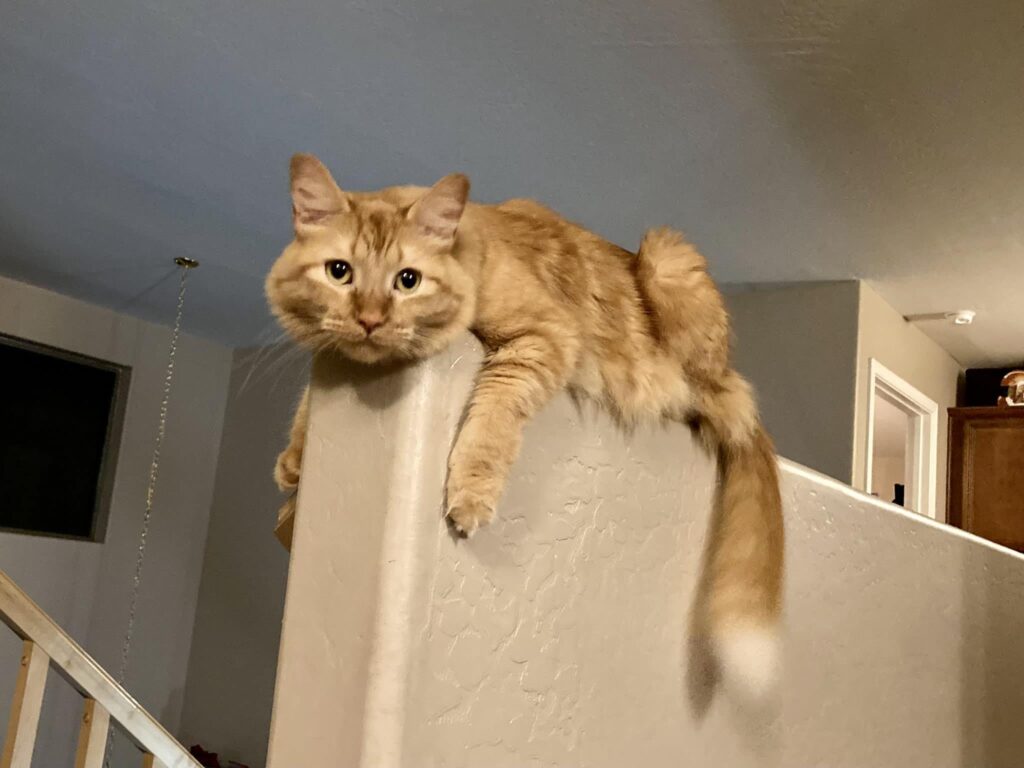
{"points": [[85, 586], [558, 636]]}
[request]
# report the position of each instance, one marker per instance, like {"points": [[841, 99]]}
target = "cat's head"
{"points": [[374, 276]]}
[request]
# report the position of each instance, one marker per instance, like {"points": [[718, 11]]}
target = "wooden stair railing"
{"points": [[46, 644]]}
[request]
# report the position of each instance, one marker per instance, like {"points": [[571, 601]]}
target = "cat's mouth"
{"points": [[381, 342], [344, 331]]}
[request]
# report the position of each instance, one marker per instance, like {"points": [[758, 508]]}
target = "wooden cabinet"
{"points": [[985, 492]]}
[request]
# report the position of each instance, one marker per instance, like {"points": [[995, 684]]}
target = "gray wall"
{"points": [[798, 345], [85, 586], [238, 620]]}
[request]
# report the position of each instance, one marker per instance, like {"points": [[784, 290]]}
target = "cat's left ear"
{"points": [[436, 215]]}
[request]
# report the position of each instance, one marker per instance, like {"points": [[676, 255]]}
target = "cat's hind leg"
{"points": [[289, 461], [687, 312]]}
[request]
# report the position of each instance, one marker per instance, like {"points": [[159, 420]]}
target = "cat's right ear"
{"points": [[438, 212], [315, 195]]}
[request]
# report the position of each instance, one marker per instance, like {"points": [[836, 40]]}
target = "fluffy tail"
{"points": [[740, 600], [743, 576]]}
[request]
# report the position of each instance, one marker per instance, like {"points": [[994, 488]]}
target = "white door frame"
{"points": [[923, 417]]}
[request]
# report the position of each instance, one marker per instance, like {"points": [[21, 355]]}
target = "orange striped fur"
{"points": [[644, 334]]}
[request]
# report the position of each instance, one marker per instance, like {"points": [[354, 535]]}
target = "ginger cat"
{"points": [[398, 273]]}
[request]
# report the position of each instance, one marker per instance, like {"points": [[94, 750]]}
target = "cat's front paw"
{"points": [[288, 468], [468, 513]]}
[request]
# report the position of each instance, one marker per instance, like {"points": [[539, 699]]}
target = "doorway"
{"points": [[902, 442]]}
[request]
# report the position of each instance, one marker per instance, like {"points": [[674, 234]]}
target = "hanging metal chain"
{"points": [[186, 266]]}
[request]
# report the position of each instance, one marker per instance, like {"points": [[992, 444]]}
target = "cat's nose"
{"points": [[370, 321]]}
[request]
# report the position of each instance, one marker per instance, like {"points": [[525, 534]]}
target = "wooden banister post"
{"points": [[92, 735], [149, 761], [25, 708], [45, 641]]}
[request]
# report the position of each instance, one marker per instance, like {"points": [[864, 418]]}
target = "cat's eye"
{"points": [[407, 280], [339, 271]]}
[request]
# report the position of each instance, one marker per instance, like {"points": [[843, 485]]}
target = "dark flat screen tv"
{"points": [[60, 427]]}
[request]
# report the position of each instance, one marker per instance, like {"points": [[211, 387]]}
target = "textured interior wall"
{"points": [[230, 685], [85, 586], [798, 345], [557, 637], [904, 349]]}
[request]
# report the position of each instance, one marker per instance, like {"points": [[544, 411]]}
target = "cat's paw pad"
{"points": [[467, 516], [288, 468]]}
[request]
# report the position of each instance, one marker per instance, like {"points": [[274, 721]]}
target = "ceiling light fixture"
{"points": [[959, 317]]}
